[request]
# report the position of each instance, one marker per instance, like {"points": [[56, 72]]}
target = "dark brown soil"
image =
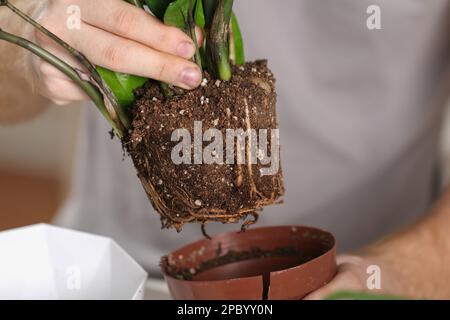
{"points": [[200, 193], [231, 257]]}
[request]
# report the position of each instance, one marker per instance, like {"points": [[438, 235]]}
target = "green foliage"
{"points": [[177, 14], [237, 53], [223, 44], [113, 92], [122, 85], [211, 16], [346, 295], [199, 13]]}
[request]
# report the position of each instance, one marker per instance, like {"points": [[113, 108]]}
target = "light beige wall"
{"points": [[43, 146]]}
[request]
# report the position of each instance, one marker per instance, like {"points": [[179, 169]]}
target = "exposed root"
{"points": [[239, 175], [171, 219], [253, 188], [249, 223], [205, 234]]}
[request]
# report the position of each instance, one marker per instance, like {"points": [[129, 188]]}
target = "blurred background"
{"points": [[36, 161], [35, 166]]}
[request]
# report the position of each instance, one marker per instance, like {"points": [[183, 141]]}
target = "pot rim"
{"points": [[199, 282]]}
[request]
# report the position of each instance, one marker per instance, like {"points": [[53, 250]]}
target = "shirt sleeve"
{"points": [[18, 99]]}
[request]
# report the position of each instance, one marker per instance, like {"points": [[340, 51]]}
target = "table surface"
{"points": [[156, 289]]}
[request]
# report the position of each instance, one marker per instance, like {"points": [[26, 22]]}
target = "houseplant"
{"points": [[231, 169], [153, 120]]}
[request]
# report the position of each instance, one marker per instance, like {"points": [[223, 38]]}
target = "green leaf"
{"points": [[158, 7], [199, 15], [237, 52], [177, 14], [345, 295], [122, 85]]}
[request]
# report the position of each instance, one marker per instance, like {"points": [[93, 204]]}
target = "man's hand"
{"points": [[353, 276], [414, 263], [118, 36]]}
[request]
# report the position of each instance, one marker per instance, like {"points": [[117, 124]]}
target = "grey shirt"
{"points": [[359, 114]]}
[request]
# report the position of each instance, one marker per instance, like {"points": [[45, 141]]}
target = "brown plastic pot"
{"points": [[276, 277]]}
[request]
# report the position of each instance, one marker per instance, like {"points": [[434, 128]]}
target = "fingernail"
{"points": [[191, 77], [185, 49]]}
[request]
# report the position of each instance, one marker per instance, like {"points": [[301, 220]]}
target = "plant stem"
{"points": [[191, 26], [237, 52], [218, 46], [110, 101], [78, 55], [209, 7], [70, 72], [166, 90]]}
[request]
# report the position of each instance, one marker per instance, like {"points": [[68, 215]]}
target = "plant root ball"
{"points": [[192, 169]]}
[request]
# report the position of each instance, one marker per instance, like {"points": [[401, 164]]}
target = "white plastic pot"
{"points": [[46, 262]]}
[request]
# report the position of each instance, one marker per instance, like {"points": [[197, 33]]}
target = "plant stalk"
{"points": [[110, 101], [166, 90], [209, 7], [74, 75], [218, 36], [193, 35], [78, 55]]}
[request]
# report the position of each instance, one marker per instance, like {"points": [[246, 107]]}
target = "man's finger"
{"points": [[133, 23], [123, 55]]}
